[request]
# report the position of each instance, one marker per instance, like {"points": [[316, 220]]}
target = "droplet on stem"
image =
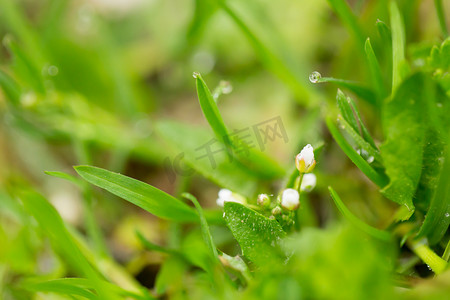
{"points": [[315, 77], [195, 75]]}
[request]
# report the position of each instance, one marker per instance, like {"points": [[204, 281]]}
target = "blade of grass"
{"points": [[271, 61], [375, 70], [441, 16], [398, 45], [379, 179], [139, 193], [204, 226], [359, 140], [372, 231], [359, 90]]}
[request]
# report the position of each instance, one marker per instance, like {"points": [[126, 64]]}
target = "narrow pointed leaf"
{"points": [[139, 193]]}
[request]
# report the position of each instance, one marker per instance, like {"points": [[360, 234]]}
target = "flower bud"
{"points": [[290, 199], [276, 210], [263, 200], [304, 161], [308, 182]]}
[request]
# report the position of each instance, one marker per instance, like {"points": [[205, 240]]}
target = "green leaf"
{"points": [[53, 226], [188, 140], [252, 158], [351, 114], [139, 193], [376, 233], [398, 45], [375, 70], [204, 226], [361, 163], [257, 235], [357, 88], [65, 176], [437, 219], [404, 130]]}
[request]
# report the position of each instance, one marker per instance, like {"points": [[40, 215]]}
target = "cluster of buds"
{"points": [[289, 201]]}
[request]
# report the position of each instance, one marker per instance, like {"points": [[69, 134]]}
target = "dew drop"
{"points": [[196, 75], [447, 215], [370, 159], [315, 77], [439, 104]]}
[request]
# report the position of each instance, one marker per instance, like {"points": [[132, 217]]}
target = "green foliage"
{"points": [[258, 236], [139, 193]]}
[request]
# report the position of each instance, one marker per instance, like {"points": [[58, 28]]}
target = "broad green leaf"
{"points": [[377, 178], [217, 167], [372, 231], [402, 151], [398, 45], [375, 70], [437, 219], [257, 235], [252, 158], [139, 193]]}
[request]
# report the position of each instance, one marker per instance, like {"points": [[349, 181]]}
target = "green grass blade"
{"points": [[359, 90], [437, 218], [204, 226], [379, 179], [65, 176], [346, 109], [346, 15], [54, 227], [60, 286], [375, 70], [359, 140], [384, 32], [139, 193], [441, 16], [272, 62], [372, 231], [398, 45]]}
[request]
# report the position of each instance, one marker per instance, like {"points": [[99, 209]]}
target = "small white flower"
{"points": [[225, 195], [304, 161], [308, 182], [290, 199]]}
